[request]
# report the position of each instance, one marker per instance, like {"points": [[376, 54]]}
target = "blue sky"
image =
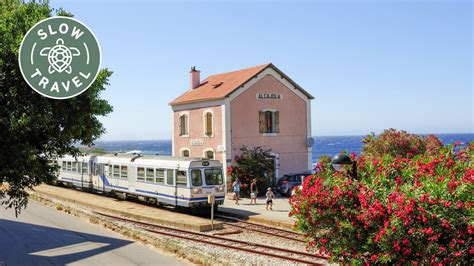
{"points": [[371, 65]]}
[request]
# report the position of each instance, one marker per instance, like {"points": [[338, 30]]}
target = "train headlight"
{"points": [[220, 189], [197, 191]]}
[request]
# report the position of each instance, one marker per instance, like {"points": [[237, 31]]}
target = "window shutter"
{"points": [[277, 121], [181, 125], [262, 122], [186, 126], [208, 124]]}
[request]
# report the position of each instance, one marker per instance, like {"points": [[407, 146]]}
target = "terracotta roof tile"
{"points": [[219, 86]]}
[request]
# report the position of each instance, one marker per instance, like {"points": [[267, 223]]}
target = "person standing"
{"points": [[270, 196], [253, 191], [236, 188]]}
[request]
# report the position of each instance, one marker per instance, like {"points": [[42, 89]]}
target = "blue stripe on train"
{"points": [[74, 180], [173, 196], [106, 182]]}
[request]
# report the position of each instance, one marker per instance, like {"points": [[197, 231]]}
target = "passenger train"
{"points": [[175, 181]]}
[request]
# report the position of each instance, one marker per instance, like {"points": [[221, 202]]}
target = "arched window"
{"points": [[183, 125], [269, 121], [185, 153], [208, 124], [209, 154]]}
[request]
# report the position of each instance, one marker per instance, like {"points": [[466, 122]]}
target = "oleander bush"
{"points": [[252, 163], [401, 210], [400, 144]]}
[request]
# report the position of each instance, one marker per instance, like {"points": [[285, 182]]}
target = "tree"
{"points": [[253, 163], [33, 128]]}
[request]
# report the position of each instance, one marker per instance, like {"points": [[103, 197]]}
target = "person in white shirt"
{"points": [[270, 196]]}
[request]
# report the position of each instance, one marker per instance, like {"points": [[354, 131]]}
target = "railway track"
{"points": [[255, 248], [261, 228]]}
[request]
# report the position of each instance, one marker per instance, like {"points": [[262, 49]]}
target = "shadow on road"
{"points": [[30, 244]]}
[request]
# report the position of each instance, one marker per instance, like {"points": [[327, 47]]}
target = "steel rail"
{"points": [[262, 226], [256, 224], [222, 239], [264, 232]]}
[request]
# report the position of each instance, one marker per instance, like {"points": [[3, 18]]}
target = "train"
{"points": [[182, 182]]}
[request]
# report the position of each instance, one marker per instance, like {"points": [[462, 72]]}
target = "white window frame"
{"points": [[187, 123], [184, 149], [144, 173], [273, 120], [209, 111], [206, 150]]}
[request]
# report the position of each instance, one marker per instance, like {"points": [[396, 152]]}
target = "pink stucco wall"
{"points": [[289, 144], [196, 131]]}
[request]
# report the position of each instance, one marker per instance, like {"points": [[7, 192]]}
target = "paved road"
{"points": [[44, 236]]}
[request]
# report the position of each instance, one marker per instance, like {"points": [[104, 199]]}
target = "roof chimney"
{"points": [[195, 77]]}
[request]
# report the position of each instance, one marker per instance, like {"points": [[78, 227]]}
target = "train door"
{"points": [[81, 170], [131, 177], [170, 181], [88, 168], [94, 173], [101, 176], [175, 189], [108, 174]]}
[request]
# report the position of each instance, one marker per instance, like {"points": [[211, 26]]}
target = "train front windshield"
{"points": [[213, 176]]}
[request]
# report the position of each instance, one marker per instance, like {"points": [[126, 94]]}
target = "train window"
{"points": [[150, 175], [110, 170], [116, 171], [213, 176], [85, 168], [181, 179], [196, 178], [74, 167], [64, 166], [123, 172], [169, 177], [160, 176], [68, 168], [141, 173]]}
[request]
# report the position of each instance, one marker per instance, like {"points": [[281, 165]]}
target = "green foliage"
{"points": [[325, 159], [253, 163], [34, 128], [400, 144], [416, 210]]}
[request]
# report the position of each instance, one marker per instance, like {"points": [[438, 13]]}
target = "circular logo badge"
{"points": [[59, 57]]}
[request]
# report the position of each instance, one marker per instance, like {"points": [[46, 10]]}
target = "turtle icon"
{"points": [[60, 57]]}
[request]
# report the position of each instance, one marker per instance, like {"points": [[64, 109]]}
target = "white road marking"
{"points": [[75, 236], [71, 249], [39, 230]]}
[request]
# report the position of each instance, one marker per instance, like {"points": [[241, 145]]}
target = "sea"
{"points": [[324, 145]]}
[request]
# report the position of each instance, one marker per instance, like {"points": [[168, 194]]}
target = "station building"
{"points": [[257, 106]]}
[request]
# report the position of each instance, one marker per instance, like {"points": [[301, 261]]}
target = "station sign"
{"points": [[197, 142], [269, 96]]}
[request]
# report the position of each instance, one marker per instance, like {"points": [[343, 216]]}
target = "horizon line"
{"points": [[314, 136]]}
